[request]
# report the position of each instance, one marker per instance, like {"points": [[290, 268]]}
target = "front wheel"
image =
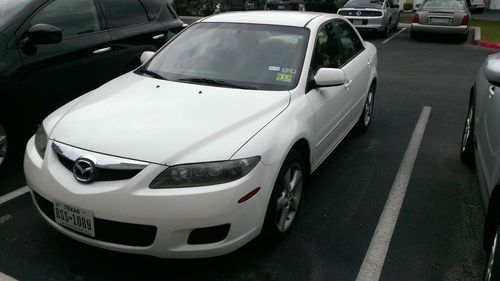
{"points": [[285, 199], [492, 268], [367, 115], [467, 147]]}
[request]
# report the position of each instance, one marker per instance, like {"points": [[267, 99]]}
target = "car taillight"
{"points": [[416, 18], [465, 20]]}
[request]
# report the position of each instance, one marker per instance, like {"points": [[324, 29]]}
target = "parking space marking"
{"points": [[375, 256], [14, 194], [388, 39]]}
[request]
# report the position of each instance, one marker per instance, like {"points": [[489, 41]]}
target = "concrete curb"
{"points": [[481, 43]]}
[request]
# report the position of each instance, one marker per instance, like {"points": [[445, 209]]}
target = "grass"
{"points": [[490, 30]]}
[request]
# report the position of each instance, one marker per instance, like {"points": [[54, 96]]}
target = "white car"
{"points": [[207, 144]]}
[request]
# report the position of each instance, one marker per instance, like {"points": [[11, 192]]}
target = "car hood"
{"points": [[167, 122]]}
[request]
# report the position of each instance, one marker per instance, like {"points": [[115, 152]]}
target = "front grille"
{"points": [[354, 13], [102, 174], [109, 231]]}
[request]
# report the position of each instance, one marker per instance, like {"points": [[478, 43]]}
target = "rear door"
{"points": [[54, 74], [134, 28]]}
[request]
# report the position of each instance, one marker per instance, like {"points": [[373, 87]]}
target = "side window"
{"points": [[73, 17], [153, 7], [350, 42], [327, 51], [123, 12]]}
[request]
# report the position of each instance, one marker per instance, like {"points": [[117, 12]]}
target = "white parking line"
{"points": [[388, 39], [16, 193], [375, 256], [4, 277]]}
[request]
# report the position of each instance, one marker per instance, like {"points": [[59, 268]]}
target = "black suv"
{"points": [[52, 51]]}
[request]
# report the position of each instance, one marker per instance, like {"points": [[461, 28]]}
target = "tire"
{"points": [[366, 117], [385, 33], [285, 198], [492, 268], [414, 35], [467, 147]]}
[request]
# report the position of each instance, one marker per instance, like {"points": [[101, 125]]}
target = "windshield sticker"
{"points": [[288, 70], [274, 68], [284, 77]]}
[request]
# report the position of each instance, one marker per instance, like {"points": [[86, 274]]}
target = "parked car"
{"points": [[481, 146], [293, 5], [441, 17], [55, 50], [476, 6], [380, 16], [210, 142]]}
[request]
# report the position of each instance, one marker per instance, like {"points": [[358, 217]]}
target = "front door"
{"points": [[57, 73]]}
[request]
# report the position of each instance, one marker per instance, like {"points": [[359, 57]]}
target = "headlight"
{"points": [[201, 174], [41, 140]]}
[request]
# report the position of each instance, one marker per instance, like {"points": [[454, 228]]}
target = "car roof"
{"points": [[287, 18]]}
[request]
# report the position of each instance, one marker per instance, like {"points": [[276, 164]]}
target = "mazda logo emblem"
{"points": [[84, 170]]}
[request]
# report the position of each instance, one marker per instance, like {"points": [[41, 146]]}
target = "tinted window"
{"points": [[73, 17], [350, 42], [327, 51], [123, 12], [450, 5], [266, 57], [9, 8], [153, 7], [377, 4]]}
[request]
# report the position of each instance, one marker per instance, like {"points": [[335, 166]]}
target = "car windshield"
{"points": [[449, 5], [376, 4], [249, 56], [9, 8]]}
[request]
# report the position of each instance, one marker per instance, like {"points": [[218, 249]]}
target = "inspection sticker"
{"points": [[274, 68], [285, 77]]}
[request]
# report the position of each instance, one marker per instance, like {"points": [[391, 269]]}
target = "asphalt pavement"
{"points": [[437, 235]]}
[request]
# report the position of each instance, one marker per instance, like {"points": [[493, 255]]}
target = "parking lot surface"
{"points": [[438, 232]]}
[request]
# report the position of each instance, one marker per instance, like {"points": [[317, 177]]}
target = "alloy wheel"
{"points": [[288, 203], [368, 108], [3, 144], [467, 128]]}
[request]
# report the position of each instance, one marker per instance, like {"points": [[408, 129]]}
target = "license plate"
{"points": [[74, 218], [357, 22], [281, 7], [439, 20]]}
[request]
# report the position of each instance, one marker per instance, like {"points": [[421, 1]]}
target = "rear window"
{"points": [[153, 7], [124, 12], [376, 4], [450, 5]]}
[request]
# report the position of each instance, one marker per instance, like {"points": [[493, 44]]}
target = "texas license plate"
{"points": [[281, 7], [357, 22], [74, 218], [439, 20]]}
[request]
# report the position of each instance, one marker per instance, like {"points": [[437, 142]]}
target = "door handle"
{"points": [[159, 36], [348, 84], [492, 92], [370, 61], [102, 51]]}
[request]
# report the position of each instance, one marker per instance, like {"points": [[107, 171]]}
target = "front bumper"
{"points": [[440, 29], [376, 24], [174, 213]]}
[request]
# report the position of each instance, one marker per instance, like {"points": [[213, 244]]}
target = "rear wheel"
{"points": [[414, 35], [285, 199], [467, 147], [366, 117]]}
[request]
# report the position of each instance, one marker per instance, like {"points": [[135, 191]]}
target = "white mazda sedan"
{"points": [[208, 144]]}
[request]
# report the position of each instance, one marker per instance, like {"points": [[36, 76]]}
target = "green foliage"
{"points": [[408, 6]]}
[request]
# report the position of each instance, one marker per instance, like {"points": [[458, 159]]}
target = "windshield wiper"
{"points": [[215, 82], [151, 74]]}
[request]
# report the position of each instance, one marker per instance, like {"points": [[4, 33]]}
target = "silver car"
{"points": [[372, 15], [442, 17], [481, 147]]}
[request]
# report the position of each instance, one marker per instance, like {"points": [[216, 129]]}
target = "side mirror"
{"points": [[44, 34], [492, 71], [328, 77], [146, 56]]}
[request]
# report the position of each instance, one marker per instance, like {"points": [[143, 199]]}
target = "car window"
{"points": [[350, 42], [453, 5], [73, 17], [123, 12], [327, 52], [265, 57], [153, 7], [9, 9]]}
